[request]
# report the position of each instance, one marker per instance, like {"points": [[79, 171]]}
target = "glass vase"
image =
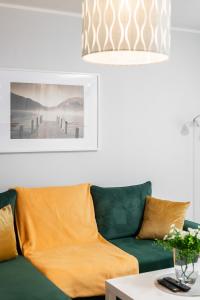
{"points": [[186, 266]]}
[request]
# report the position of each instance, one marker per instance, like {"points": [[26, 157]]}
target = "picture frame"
{"points": [[48, 111]]}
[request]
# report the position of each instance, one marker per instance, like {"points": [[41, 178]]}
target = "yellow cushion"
{"points": [[7, 235], [58, 234], [159, 215]]}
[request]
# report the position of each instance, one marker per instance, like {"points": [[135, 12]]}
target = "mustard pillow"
{"points": [[7, 234], [159, 215]]}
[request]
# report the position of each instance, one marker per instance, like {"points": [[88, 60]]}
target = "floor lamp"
{"points": [[187, 127]]}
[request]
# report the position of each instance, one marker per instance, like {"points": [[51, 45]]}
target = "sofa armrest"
{"points": [[190, 224]]}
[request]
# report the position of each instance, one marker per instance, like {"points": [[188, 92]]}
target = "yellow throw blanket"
{"points": [[58, 234]]}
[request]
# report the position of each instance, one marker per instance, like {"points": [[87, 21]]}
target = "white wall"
{"points": [[142, 110]]}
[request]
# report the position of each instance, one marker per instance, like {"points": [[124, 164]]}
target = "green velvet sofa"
{"points": [[20, 280]]}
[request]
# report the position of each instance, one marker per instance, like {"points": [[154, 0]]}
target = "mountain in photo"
{"points": [[75, 103], [27, 104], [22, 103]]}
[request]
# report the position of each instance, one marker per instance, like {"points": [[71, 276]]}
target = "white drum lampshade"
{"points": [[125, 32]]}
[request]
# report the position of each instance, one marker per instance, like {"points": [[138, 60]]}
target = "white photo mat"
{"points": [[90, 86]]}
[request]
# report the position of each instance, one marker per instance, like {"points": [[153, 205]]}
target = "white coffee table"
{"points": [[142, 287]]}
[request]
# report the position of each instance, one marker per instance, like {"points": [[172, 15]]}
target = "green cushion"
{"points": [[19, 280], [150, 256], [119, 210], [7, 198], [190, 224]]}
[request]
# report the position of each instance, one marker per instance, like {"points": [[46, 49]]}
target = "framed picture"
{"points": [[48, 111]]}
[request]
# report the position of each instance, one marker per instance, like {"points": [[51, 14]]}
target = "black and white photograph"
{"points": [[46, 111]]}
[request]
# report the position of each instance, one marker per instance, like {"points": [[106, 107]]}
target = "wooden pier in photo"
{"points": [[44, 129]]}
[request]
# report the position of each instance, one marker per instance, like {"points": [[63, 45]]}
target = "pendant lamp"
{"points": [[126, 32]]}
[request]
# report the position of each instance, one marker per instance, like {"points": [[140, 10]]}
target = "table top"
{"points": [[143, 287]]}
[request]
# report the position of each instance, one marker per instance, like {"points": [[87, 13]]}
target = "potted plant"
{"points": [[186, 248]]}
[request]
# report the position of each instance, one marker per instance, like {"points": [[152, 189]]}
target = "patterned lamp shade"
{"points": [[124, 32]]}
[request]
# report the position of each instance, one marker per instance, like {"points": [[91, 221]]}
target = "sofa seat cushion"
{"points": [[150, 256], [81, 270], [20, 280]]}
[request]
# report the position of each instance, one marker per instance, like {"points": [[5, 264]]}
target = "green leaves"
{"points": [[187, 242]]}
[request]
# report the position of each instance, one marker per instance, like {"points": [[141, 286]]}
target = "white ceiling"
{"points": [[185, 13]]}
